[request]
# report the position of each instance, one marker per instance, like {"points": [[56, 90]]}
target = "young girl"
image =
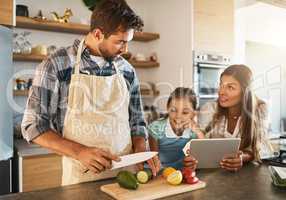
{"points": [[169, 135]]}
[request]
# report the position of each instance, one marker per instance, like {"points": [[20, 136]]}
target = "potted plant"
{"points": [[91, 3]]}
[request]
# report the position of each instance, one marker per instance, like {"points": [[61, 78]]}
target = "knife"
{"points": [[132, 159]]}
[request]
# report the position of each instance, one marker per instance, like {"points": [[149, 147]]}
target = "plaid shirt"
{"points": [[47, 102]]}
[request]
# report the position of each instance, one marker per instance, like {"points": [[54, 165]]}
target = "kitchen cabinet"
{"points": [[7, 12], [38, 168], [214, 26], [5, 177], [40, 172]]}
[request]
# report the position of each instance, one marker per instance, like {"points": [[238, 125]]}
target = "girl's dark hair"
{"points": [[249, 108], [111, 16], [182, 92]]}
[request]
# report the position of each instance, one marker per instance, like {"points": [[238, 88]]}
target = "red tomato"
{"points": [[188, 172], [191, 180]]}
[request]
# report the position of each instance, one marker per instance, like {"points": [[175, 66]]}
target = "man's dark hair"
{"points": [[111, 16]]}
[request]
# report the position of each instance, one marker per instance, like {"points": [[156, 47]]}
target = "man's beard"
{"points": [[106, 55]]}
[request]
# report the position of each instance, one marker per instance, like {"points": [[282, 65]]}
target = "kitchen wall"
{"points": [[239, 35], [214, 26], [258, 22], [172, 19], [268, 63], [260, 43], [26, 69]]}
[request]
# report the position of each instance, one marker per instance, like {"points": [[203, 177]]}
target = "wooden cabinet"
{"points": [[7, 12], [38, 168], [40, 172], [214, 26]]}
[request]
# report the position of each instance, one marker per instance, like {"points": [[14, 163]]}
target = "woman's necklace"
{"points": [[232, 121], [234, 113], [235, 117]]}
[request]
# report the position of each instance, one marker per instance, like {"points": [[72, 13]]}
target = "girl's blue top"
{"points": [[170, 145]]}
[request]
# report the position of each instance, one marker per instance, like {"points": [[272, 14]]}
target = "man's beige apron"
{"points": [[97, 116]]}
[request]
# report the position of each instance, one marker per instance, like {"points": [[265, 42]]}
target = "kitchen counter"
{"points": [[251, 182], [24, 149]]}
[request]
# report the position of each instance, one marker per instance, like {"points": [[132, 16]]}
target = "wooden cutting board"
{"points": [[154, 189]]}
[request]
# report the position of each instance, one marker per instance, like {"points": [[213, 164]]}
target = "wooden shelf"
{"points": [[76, 28], [147, 92], [145, 36], [39, 58], [144, 64], [48, 25], [20, 92], [28, 57]]}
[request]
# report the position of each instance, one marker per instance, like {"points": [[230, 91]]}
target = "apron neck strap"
{"points": [[78, 58], [115, 66]]}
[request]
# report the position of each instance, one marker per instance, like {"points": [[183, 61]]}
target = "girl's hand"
{"points": [[155, 165], [190, 162], [193, 125], [232, 163]]}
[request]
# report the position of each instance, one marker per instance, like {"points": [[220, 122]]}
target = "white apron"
{"points": [[97, 116]]}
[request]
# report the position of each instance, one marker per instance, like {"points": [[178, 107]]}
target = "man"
{"points": [[85, 100]]}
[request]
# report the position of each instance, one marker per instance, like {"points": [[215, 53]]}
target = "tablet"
{"points": [[209, 152]]}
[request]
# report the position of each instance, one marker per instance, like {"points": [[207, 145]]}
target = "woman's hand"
{"points": [[232, 163], [190, 162]]}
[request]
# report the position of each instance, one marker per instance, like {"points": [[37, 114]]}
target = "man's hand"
{"points": [[96, 160], [232, 163], [139, 145]]}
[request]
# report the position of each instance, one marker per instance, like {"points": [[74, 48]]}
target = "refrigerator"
{"points": [[6, 111]]}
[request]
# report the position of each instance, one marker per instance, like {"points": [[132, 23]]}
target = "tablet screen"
{"points": [[209, 152]]}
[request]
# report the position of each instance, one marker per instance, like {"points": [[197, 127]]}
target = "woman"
{"points": [[237, 113]]}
